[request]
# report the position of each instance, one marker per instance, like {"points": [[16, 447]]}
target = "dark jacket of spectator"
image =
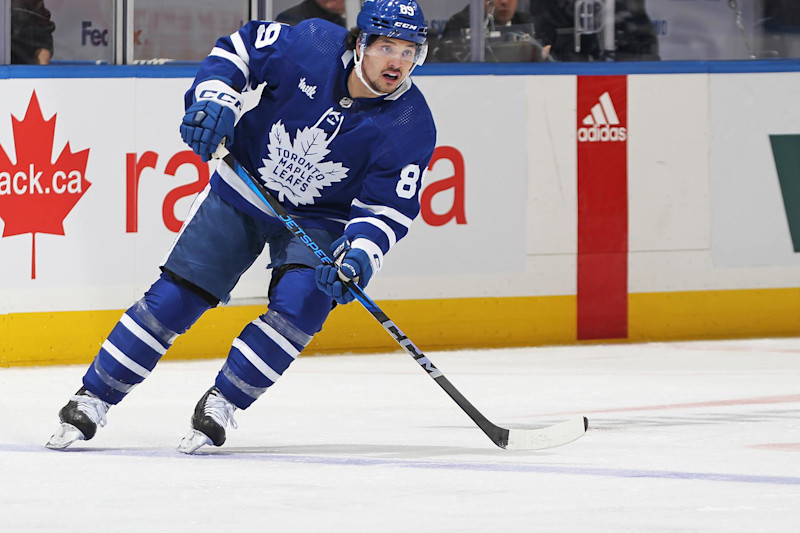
{"points": [[31, 33], [460, 21], [635, 35], [309, 9]]}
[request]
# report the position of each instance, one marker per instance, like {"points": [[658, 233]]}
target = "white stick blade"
{"points": [[547, 437]]}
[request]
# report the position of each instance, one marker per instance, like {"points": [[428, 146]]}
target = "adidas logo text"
{"points": [[602, 134], [602, 124], [309, 90]]}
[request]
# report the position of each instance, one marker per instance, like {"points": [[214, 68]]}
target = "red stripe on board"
{"points": [[602, 207]]}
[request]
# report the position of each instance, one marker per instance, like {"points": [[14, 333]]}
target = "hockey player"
{"points": [[342, 138]]}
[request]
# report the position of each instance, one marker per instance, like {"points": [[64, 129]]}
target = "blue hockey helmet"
{"points": [[398, 19]]}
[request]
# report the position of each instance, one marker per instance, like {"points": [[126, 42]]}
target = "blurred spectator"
{"points": [[503, 12], [781, 25], [782, 13], [510, 34], [634, 33], [330, 10], [31, 33]]}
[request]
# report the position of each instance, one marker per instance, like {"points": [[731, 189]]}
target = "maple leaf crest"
{"points": [[295, 170], [37, 194]]}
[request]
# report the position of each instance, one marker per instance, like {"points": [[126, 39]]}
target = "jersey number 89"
{"points": [[407, 184]]}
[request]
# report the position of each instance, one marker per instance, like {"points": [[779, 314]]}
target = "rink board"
{"points": [[522, 238], [75, 337]]}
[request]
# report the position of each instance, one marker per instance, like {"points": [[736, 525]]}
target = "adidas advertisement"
{"points": [[602, 148]]}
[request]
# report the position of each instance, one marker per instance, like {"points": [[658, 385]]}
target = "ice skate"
{"points": [[79, 419], [211, 415]]}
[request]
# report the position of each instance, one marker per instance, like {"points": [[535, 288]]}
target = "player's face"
{"points": [[503, 10], [387, 62], [334, 6]]}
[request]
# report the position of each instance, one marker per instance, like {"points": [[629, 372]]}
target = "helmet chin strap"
{"points": [[359, 59]]}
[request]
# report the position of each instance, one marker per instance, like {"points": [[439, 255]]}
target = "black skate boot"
{"points": [[211, 416], [79, 419]]}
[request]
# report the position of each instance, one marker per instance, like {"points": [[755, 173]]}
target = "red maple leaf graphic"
{"points": [[36, 195]]}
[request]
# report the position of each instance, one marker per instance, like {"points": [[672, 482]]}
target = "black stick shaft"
{"points": [[497, 434]]}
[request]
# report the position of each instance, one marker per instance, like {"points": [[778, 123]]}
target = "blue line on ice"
{"points": [[270, 456]]}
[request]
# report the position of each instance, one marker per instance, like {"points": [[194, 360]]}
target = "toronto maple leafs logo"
{"points": [[296, 169]]}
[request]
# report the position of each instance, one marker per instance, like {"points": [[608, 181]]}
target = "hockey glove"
{"points": [[351, 264], [211, 118], [204, 126]]}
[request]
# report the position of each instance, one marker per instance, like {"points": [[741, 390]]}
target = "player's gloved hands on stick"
{"points": [[205, 124], [351, 264]]}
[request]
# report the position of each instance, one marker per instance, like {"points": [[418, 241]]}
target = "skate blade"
{"points": [[192, 441], [65, 435]]}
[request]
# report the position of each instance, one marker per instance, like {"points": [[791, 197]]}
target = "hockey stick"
{"points": [[510, 439]]}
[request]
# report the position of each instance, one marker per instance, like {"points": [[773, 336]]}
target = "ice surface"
{"points": [[695, 436]]}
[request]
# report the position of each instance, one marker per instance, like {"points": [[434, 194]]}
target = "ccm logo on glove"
{"points": [[211, 118], [224, 98], [218, 91]]}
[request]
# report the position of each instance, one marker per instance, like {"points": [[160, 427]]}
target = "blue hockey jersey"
{"points": [[348, 165]]}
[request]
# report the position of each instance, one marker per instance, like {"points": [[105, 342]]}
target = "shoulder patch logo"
{"points": [[295, 169], [308, 90]]}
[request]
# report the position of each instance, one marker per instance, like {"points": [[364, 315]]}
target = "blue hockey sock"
{"points": [[268, 345], [258, 357], [141, 337]]}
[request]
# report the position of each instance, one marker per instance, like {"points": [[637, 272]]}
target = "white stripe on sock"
{"points": [[124, 360], [255, 360], [142, 334], [279, 339]]}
